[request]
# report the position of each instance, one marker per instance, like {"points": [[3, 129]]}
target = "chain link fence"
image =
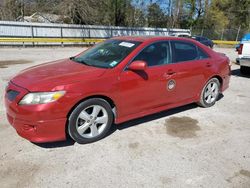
{"points": [[224, 34], [25, 33]]}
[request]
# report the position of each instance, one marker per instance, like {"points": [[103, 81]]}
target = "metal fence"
{"points": [[9, 29], [223, 34]]}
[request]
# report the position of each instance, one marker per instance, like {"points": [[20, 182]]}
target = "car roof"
{"points": [[150, 38]]}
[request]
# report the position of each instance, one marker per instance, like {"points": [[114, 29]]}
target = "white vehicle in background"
{"points": [[186, 34], [244, 54]]}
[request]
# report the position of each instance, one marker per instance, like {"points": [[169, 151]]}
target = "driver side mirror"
{"points": [[138, 66]]}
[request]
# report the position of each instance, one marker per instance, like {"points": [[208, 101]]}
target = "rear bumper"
{"points": [[36, 123], [226, 80], [245, 62]]}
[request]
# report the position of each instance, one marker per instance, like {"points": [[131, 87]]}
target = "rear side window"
{"points": [[185, 51], [203, 38], [198, 38], [202, 54]]}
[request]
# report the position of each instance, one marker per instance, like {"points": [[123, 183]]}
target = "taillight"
{"points": [[240, 49]]}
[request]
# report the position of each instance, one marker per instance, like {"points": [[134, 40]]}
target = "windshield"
{"points": [[107, 54]]}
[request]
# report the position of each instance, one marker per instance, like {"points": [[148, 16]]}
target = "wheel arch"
{"points": [[214, 76], [106, 98], [220, 80], [200, 98]]}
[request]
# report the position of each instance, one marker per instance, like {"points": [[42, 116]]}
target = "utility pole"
{"points": [[170, 13], [116, 13], [22, 9], [238, 33]]}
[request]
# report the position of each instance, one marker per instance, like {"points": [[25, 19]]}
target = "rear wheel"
{"points": [[90, 121], [210, 93]]}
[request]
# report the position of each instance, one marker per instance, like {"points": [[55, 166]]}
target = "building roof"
{"points": [[43, 18]]}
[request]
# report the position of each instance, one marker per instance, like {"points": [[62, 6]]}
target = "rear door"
{"points": [[189, 67]]}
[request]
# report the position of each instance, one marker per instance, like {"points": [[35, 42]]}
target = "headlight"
{"points": [[41, 97], [6, 85]]}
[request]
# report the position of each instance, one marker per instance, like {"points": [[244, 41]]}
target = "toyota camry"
{"points": [[120, 79]]}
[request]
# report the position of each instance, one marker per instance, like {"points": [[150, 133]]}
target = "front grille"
{"points": [[12, 94]]}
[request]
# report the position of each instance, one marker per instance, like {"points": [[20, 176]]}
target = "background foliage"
{"points": [[216, 18]]}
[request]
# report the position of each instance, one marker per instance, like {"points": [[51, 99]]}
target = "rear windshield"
{"points": [[107, 54]]}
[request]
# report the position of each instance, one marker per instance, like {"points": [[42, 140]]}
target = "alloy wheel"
{"points": [[211, 92], [92, 121]]}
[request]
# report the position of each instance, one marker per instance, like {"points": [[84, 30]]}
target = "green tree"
{"points": [[80, 11], [238, 13], [11, 9], [156, 17], [117, 11]]}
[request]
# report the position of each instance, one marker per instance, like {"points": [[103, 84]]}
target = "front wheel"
{"points": [[210, 93], [90, 121]]}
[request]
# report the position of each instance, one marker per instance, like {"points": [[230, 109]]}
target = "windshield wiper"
{"points": [[82, 62]]}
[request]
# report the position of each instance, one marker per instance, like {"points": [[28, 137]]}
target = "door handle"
{"points": [[208, 64], [170, 72]]}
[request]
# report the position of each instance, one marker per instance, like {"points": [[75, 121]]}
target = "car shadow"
{"points": [[151, 117], [237, 73], [125, 125], [221, 96], [159, 115], [67, 142]]}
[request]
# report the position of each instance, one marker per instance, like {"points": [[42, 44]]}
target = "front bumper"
{"points": [[36, 123], [39, 131]]}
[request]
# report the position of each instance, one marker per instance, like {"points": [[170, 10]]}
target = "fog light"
{"points": [[29, 127]]}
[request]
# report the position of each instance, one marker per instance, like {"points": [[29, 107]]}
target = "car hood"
{"points": [[49, 76]]}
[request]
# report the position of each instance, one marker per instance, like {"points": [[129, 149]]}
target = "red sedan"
{"points": [[115, 81]]}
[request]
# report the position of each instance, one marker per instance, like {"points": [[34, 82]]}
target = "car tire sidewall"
{"points": [[202, 101], [72, 131]]}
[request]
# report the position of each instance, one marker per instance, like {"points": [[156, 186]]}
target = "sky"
{"points": [[143, 3]]}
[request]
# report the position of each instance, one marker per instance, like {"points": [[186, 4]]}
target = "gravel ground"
{"points": [[184, 147]]}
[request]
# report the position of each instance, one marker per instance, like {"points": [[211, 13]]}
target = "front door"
{"points": [[144, 90]]}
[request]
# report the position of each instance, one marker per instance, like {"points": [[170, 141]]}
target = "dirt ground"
{"points": [[183, 147]]}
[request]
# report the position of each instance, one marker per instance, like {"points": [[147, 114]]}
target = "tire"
{"points": [[244, 70], [210, 93], [90, 121]]}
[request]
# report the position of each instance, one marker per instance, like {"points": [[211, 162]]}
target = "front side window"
{"points": [[155, 54], [107, 54]]}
